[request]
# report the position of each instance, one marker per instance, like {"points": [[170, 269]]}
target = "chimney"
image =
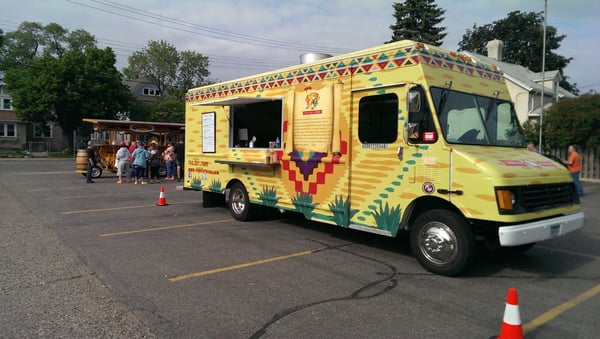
{"points": [[494, 48]]}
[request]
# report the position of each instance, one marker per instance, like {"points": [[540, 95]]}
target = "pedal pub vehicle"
{"points": [[400, 137], [108, 134]]}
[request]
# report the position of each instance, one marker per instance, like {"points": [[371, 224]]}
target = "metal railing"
{"points": [[36, 147]]}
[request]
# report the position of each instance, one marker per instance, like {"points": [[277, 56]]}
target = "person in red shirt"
{"points": [[574, 166]]}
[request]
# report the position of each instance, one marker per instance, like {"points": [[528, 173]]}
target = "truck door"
{"points": [[378, 119], [427, 160]]}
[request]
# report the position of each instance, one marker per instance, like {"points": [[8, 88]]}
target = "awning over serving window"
{"points": [[236, 101]]}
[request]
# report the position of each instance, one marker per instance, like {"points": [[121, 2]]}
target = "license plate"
{"points": [[554, 231]]}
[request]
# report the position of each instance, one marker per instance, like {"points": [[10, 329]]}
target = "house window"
{"points": [[8, 129], [151, 92], [6, 104], [378, 119], [42, 131]]}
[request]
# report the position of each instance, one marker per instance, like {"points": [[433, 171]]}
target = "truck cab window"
{"points": [[378, 119], [472, 119]]}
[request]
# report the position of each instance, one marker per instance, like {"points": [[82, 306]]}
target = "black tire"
{"points": [[442, 242], [162, 170], [96, 172], [239, 204]]}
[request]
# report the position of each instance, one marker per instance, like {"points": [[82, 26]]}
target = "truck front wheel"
{"points": [[442, 242]]}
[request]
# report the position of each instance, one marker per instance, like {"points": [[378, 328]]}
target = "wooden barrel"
{"points": [[81, 161]]}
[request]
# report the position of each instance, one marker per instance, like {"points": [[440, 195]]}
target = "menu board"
{"points": [[208, 132], [313, 120]]}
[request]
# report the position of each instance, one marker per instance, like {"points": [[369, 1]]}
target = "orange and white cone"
{"points": [[511, 324], [162, 201]]}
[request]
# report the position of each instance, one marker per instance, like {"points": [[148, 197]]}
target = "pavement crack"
{"points": [[387, 281]]}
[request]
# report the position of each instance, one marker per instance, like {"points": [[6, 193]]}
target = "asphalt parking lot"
{"points": [[102, 260]]}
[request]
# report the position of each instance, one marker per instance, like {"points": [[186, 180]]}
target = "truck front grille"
{"points": [[541, 197]]}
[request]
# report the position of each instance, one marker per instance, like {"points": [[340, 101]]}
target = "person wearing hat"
{"points": [[140, 158], [123, 163]]}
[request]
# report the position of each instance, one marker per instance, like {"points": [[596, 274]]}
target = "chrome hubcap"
{"points": [[438, 243], [237, 202]]}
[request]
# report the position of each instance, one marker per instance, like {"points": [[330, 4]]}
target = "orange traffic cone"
{"points": [[162, 201], [511, 324]]}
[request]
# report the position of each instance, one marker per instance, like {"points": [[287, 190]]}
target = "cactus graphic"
{"points": [[304, 204], [215, 186], [269, 196], [387, 218], [196, 183], [341, 211]]}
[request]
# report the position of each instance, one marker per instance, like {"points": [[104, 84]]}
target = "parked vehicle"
{"points": [[400, 137], [109, 133]]}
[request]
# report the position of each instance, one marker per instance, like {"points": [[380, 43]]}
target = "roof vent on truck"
{"points": [[311, 57]]}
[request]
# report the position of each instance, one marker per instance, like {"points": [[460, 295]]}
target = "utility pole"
{"points": [[543, 73]]}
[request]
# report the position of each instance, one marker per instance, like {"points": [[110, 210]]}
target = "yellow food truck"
{"points": [[399, 137]]}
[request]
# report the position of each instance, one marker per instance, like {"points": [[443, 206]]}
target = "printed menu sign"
{"points": [[313, 120], [208, 132]]}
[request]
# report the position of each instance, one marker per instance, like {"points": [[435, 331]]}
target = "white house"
{"points": [[525, 86]]}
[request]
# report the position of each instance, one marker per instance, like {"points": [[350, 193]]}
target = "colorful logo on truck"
{"points": [[312, 99]]}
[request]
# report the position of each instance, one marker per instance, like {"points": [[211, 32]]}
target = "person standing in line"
{"points": [[574, 166], [123, 162], [179, 159], [132, 148], [91, 161], [154, 161], [169, 158], [140, 158]]}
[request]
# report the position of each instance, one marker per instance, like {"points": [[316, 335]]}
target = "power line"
{"points": [[183, 26]]}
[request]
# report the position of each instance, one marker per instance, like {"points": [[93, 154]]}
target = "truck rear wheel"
{"points": [[239, 204], [442, 242]]}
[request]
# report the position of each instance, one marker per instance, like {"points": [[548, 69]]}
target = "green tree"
{"points": [[169, 109], [531, 129], [522, 35], [573, 121], [55, 76], [172, 72], [417, 20]]}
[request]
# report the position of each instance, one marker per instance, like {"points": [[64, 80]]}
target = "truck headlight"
{"points": [[505, 199]]}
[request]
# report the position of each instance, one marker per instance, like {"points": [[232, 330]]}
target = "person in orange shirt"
{"points": [[574, 166]]}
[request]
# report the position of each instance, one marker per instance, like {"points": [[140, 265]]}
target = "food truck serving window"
{"points": [[255, 123]]}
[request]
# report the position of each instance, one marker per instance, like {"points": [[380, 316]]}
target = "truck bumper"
{"points": [[540, 230]]}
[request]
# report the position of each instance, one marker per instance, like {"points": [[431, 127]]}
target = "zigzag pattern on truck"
{"points": [[378, 60]]}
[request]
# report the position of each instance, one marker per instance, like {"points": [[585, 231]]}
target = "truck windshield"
{"points": [[476, 120]]}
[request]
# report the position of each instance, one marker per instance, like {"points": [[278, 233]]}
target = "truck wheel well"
{"points": [[421, 205], [231, 183]]}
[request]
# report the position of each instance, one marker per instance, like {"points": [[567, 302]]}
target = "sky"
{"points": [[245, 37]]}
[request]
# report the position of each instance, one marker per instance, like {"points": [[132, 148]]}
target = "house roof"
{"points": [[523, 77]]}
